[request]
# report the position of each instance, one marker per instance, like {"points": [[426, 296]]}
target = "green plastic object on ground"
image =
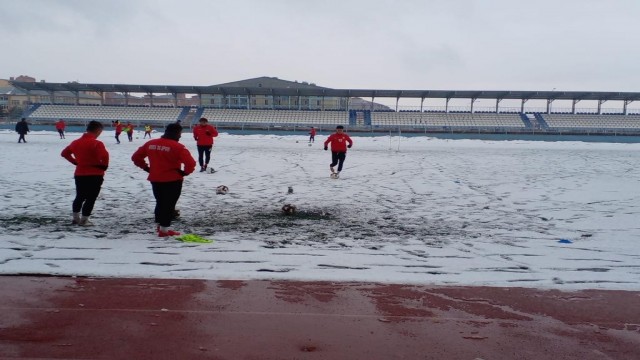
{"points": [[193, 238]]}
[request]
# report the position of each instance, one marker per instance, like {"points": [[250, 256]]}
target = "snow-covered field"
{"points": [[406, 210]]}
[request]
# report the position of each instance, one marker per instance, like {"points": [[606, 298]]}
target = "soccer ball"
{"points": [[212, 170], [334, 176], [222, 190], [288, 209]]}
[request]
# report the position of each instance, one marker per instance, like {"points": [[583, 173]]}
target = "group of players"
{"points": [[128, 129], [166, 160]]}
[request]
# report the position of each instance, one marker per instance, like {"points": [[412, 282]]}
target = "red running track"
{"points": [[88, 318]]}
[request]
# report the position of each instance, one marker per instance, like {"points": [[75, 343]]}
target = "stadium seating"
{"points": [[591, 121], [430, 119], [106, 113], [276, 116]]}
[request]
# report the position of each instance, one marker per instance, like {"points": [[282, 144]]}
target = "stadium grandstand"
{"points": [[267, 102]]}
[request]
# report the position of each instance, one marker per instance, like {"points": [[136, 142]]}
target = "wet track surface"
{"points": [[88, 318]]}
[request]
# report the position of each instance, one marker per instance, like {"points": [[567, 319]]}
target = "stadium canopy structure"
{"points": [[472, 95]]}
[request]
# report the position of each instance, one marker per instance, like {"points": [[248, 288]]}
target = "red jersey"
{"points": [[60, 125], [89, 155], [118, 128], [312, 132], [204, 134], [166, 158], [338, 142]]}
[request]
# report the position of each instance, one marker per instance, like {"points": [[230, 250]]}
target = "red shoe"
{"points": [[167, 233]]}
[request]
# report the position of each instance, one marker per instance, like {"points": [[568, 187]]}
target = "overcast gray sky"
{"points": [[589, 45]]}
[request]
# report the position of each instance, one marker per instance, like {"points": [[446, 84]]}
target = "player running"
{"points": [[147, 131], [312, 135], [129, 130], [60, 126], [119, 127], [339, 144]]}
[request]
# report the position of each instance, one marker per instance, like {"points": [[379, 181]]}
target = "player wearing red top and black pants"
{"points": [[60, 125], [204, 133], [118, 130], [91, 159], [169, 163], [312, 135], [339, 144]]}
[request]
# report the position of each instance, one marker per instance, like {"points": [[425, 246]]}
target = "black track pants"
{"points": [[87, 191], [204, 154], [337, 158], [167, 195]]}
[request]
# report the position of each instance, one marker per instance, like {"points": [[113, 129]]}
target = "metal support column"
{"points": [[446, 105], [624, 106], [397, 101], [600, 102], [52, 97], [299, 103], [473, 100], [573, 105], [498, 105], [421, 104], [522, 105], [150, 98], [549, 101], [175, 99], [372, 99]]}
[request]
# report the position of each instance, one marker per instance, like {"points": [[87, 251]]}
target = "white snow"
{"points": [[405, 210]]}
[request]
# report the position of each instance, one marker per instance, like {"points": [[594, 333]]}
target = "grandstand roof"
{"points": [[15, 90], [273, 87]]}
